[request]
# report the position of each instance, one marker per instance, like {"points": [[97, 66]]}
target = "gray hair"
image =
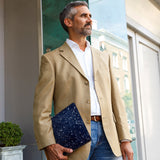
{"points": [[69, 12]]}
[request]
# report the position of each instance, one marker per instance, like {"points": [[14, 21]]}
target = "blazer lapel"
{"points": [[66, 52]]}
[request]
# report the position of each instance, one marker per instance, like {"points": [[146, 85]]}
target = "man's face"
{"points": [[82, 23]]}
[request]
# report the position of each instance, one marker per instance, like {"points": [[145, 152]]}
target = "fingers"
{"points": [[123, 155], [130, 155], [127, 151], [67, 150], [62, 157], [55, 152]]}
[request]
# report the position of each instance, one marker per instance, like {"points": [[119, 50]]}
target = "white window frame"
{"points": [[133, 28]]}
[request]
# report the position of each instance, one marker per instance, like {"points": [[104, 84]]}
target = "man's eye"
{"points": [[86, 15], [83, 15]]}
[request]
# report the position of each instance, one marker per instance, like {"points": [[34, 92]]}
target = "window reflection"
{"points": [[110, 35], [115, 60], [125, 62]]}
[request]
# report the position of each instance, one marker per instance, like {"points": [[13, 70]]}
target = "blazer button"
{"points": [[88, 121], [86, 82], [88, 101]]}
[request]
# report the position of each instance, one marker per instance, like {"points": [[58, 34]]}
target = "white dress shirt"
{"points": [[85, 60]]}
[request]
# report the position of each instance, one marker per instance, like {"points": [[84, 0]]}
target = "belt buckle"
{"points": [[95, 119]]}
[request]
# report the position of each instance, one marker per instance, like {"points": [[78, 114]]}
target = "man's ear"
{"points": [[68, 22]]}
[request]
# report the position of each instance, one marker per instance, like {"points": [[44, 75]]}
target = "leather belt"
{"points": [[96, 118]]}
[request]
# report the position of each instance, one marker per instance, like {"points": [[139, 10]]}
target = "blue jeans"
{"points": [[100, 148]]}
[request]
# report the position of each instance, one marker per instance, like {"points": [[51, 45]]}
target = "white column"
{"points": [[21, 68]]}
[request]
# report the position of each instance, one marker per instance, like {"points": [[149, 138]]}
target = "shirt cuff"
{"points": [[125, 140]]}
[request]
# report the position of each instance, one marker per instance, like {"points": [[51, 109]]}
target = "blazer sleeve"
{"points": [[42, 107], [118, 108]]}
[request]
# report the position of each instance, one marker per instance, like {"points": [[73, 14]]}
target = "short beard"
{"points": [[86, 31]]}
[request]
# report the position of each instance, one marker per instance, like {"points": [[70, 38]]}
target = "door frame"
{"points": [[137, 33]]}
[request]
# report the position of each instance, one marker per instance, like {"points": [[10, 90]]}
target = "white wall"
{"points": [[2, 61], [144, 13], [21, 68]]}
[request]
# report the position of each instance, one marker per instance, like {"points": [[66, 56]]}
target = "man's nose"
{"points": [[89, 19]]}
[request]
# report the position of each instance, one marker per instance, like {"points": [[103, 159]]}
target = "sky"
{"points": [[110, 15]]}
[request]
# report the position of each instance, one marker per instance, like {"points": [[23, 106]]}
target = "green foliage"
{"points": [[10, 134], [127, 99]]}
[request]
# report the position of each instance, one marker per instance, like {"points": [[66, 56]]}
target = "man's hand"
{"points": [[126, 150], [55, 152]]}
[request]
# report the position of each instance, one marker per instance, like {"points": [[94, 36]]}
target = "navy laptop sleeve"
{"points": [[69, 128]]}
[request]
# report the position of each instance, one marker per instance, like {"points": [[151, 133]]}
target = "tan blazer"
{"points": [[63, 80]]}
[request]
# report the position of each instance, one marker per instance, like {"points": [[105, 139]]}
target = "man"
{"points": [[76, 72]]}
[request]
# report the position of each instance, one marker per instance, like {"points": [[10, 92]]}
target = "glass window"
{"points": [[126, 83], [125, 66], [109, 35], [115, 60]]}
